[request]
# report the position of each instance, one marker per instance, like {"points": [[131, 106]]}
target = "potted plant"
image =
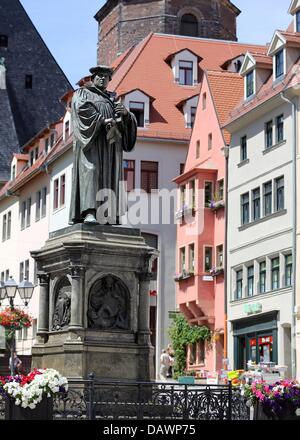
{"points": [[217, 202], [188, 378], [29, 397], [215, 271], [273, 402]]}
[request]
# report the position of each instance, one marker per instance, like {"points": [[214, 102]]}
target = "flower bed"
{"points": [[28, 391], [278, 401]]}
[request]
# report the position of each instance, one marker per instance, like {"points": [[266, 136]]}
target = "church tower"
{"points": [[31, 83], [123, 23]]}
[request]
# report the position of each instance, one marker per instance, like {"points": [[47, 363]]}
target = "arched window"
{"points": [[189, 25], [3, 41]]}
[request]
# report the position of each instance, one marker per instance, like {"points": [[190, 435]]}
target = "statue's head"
{"points": [[101, 75]]}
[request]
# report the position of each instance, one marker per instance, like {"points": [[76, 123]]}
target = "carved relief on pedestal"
{"points": [[62, 305], [108, 305]]}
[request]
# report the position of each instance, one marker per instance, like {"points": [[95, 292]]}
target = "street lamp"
{"points": [[9, 289], [26, 289]]}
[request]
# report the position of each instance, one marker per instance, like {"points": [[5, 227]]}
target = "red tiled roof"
{"points": [[119, 60], [267, 91], [262, 59], [291, 37], [145, 68], [227, 89]]}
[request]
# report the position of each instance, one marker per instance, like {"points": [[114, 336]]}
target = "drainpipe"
{"points": [[294, 205], [226, 154]]}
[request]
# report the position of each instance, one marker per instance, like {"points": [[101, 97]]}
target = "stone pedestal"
{"points": [[94, 304]]}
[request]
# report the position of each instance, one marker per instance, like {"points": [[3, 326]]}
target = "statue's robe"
{"points": [[98, 164]]}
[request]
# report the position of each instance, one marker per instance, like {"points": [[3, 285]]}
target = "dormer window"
{"points": [[4, 41], [189, 109], [193, 116], [186, 73], [31, 161], [138, 109], [138, 103], [298, 21], [250, 84], [279, 64], [67, 129]]}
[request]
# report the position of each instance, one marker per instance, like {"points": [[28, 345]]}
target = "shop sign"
{"points": [[207, 278], [212, 378], [251, 309]]}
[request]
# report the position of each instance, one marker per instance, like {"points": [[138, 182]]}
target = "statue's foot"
{"points": [[90, 219]]}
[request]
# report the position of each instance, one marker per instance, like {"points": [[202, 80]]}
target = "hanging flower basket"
{"points": [[15, 319]]}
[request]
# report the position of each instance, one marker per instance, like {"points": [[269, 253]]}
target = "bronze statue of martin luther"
{"points": [[102, 128]]}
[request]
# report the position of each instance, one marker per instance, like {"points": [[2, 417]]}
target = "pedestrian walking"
{"points": [[164, 365]]}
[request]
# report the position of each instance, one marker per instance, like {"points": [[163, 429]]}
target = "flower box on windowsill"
{"points": [[185, 211], [216, 204], [215, 271], [183, 276]]}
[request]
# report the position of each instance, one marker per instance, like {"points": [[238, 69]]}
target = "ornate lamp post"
{"points": [[9, 290]]}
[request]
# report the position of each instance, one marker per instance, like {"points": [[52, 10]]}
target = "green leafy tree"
{"points": [[182, 334]]}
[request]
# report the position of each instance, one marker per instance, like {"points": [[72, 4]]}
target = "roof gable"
{"points": [[278, 41], [248, 64]]}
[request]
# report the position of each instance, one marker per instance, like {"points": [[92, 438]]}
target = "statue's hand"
{"points": [[109, 123], [121, 110]]}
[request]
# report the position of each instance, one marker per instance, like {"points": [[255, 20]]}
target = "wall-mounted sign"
{"points": [[207, 278], [252, 309], [212, 378]]}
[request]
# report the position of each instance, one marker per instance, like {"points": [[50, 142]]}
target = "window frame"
{"points": [[149, 187], [279, 129], [239, 284], [256, 204], [267, 196], [250, 86], [187, 72], [262, 280], [279, 64], [126, 171], [275, 269], [244, 149], [268, 134], [243, 205], [139, 110], [288, 270], [279, 194], [250, 281], [207, 268], [206, 202]]}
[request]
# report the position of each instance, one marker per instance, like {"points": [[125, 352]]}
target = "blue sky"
{"points": [[70, 31]]}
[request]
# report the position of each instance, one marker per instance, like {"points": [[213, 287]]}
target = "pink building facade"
{"points": [[201, 220]]}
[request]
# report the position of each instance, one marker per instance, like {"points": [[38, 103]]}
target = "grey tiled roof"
{"points": [[30, 109]]}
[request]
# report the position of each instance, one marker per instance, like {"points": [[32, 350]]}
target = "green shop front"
{"points": [[255, 339]]}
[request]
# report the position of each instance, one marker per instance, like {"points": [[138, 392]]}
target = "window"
{"points": [[182, 196], [208, 259], [8, 234], [193, 116], [138, 109], [279, 194], [250, 281], [46, 145], [52, 139], [23, 215], [189, 25], [2, 277], [275, 273], [209, 147], [4, 228], [245, 209], [208, 194], [67, 129], [13, 173], [192, 258], [279, 129], [256, 204], [244, 154], [129, 174], [279, 64], [28, 81], [204, 101], [4, 41], [220, 256], [28, 214], [193, 194], [262, 277], [198, 149], [55, 193], [31, 161], [44, 201], [239, 285], [298, 21], [269, 134], [182, 259], [193, 354], [181, 168], [250, 84], [221, 189], [38, 206], [267, 188], [62, 190], [21, 275], [149, 176], [7, 275], [186, 73], [288, 270]]}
